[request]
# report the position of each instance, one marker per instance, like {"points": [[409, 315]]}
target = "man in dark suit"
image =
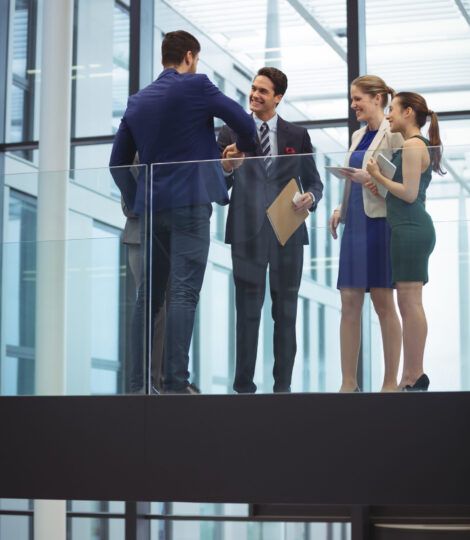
{"points": [[255, 185], [171, 120]]}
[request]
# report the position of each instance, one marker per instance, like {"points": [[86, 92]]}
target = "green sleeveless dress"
{"points": [[412, 232]]}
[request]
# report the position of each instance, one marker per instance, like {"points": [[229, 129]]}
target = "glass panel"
{"points": [[317, 315], [95, 268], [243, 37], [95, 529], [102, 270], [101, 67], [225, 530], [420, 46]]}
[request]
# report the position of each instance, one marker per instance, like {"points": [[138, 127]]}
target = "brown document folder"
{"points": [[284, 219]]}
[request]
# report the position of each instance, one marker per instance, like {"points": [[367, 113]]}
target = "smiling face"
{"points": [[397, 116], [263, 101], [368, 108]]}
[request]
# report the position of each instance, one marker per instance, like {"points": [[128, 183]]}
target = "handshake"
{"points": [[232, 158]]}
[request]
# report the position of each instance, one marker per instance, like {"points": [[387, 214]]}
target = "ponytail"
{"points": [[436, 143], [419, 106]]}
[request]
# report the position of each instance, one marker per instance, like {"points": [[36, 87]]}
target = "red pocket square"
{"points": [[290, 150]]}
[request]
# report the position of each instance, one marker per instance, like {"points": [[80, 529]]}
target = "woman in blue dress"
{"points": [[364, 262]]}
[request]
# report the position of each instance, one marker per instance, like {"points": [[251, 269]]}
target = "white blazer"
{"points": [[384, 143]]}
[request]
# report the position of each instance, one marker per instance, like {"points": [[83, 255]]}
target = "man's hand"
{"points": [[333, 224], [232, 157], [304, 202]]}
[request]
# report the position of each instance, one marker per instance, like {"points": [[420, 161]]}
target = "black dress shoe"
{"points": [[421, 385], [194, 389]]}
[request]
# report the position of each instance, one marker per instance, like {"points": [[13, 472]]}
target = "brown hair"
{"points": [[176, 44], [373, 85], [420, 108], [277, 77]]}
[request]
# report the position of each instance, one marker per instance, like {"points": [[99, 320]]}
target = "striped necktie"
{"points": [[266, 147]]}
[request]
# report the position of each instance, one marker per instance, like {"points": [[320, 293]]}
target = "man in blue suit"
{"points": [[255, 185], [171, 121]]}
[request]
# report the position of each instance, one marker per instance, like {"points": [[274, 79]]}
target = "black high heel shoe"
{"points": [[421, 385]]}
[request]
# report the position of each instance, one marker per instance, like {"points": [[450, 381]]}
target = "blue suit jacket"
{"points": [[171, 120]]}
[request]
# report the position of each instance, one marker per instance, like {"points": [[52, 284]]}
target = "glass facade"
{"points": [[307, 40]]}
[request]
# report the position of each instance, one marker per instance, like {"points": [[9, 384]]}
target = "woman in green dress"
{"points": [[412, 231]]}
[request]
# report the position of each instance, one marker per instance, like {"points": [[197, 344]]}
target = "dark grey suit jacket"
{"points": [[253, 191]]}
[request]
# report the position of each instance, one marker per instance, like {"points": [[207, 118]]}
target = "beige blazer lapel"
{"points": [[374, 206], [376, 142]]}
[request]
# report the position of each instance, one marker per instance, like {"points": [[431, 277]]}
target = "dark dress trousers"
{"points": [[255, 246], [172, 120]]}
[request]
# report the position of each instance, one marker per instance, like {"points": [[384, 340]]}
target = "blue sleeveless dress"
{"points": [[364, 259]]}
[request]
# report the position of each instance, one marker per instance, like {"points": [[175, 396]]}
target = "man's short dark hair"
{"points": [[277, 77], [176, 44]]}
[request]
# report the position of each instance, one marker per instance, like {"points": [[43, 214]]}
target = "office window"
{"points": [[17, 527], [240, 98], [20, 126], [100, 67], [19, 286]]}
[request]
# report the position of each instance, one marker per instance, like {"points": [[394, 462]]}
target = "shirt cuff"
{"points": [[313, 198]]}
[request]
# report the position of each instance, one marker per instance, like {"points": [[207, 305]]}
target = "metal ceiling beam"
{"points": [[463, 10], [318, 27]]}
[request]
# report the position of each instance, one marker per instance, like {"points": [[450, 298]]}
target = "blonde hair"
{"points": [[373, 85]]}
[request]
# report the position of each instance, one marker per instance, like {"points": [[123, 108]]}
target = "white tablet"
{"points": [[337, 171], [387, 168]]}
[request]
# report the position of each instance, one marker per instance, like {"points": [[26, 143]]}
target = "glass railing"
{"points": [[69, 280], [240, 308]]}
